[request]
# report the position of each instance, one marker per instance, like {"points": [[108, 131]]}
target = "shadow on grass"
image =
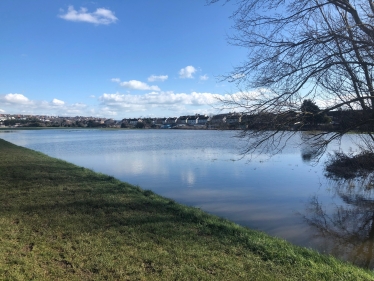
{"points": [[114, 206], [48, 201]]}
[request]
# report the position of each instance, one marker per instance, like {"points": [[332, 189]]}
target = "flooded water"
{"points": [[284, 196]]}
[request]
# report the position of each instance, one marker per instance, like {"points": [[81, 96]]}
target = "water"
{"points": [[283, 196]]}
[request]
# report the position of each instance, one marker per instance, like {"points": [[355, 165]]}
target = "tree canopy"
{"points": [[311, 113], [317, 50]]}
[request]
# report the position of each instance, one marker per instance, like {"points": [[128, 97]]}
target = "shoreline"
{"points": [[63, 221]]}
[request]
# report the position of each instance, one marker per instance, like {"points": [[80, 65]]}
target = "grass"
{"points": [[59, 221]]}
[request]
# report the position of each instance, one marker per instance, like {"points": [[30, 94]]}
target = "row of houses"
{"points": [[197, 120], [288, 119], [188, 120]]}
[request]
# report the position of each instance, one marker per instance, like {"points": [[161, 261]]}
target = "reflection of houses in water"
{"points": [[349, 229]]}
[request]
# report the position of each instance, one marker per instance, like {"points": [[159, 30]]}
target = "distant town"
{"points": [[289, 120], [197, 121]]}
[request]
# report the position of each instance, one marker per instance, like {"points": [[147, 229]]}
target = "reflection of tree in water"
{"points": [[348, 230], [309, 155], [310, 151]]}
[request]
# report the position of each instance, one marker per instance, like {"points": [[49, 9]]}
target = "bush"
{"points": [[341, 165]]}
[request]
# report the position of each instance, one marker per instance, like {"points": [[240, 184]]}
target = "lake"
{"points": [[284, 196]]}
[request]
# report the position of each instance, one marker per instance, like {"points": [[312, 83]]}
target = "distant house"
{"points": [[202, 120], [133, 121], [182, 120], [217, 121], [171, 120], [233, 118], [192, 120], [158, 121]]}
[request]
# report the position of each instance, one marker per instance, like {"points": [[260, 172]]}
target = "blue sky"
{"points": [[114, 59]]}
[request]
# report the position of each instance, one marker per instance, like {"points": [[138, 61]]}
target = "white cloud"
{"points": [[159, 104], [159, 99], [154, 78], [136, 85], [204, 77], [117, 80], [100, 16], [187, 72], [15, 98], [20, 104], [79, 105], [92, 96], [2, 111], [154, 103], [57, 102]]}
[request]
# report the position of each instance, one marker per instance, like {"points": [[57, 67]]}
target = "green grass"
{"points": [[59, 221]]}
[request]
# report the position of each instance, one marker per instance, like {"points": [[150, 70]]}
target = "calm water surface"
{"points": [[283, 196]]}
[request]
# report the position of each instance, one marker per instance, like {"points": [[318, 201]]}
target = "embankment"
{"points": [[59, 221]]}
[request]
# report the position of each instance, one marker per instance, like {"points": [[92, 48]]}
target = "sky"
{"points": [[115, 59]]}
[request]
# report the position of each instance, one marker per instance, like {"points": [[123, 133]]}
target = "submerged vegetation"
{"points": [[345, 166], [61, 221]]}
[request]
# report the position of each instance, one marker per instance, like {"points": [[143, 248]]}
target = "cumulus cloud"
{"points": [[117, 80], [57, 102], [159, 103], [156, 98], [204, 77], [154, 78], [136, 85], [15, 98], [153, 103], [100, 16], [187, 72], [20, 104]]}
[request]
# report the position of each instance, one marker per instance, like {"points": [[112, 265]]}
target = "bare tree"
{"points": [[320, 50]]}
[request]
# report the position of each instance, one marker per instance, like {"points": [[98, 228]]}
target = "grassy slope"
{"points": [[60, 221]]}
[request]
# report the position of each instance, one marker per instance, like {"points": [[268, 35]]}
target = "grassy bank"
{"points": [[59, 221]]}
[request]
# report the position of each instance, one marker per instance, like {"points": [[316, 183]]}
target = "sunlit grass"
{"points": [[59, 221]]}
